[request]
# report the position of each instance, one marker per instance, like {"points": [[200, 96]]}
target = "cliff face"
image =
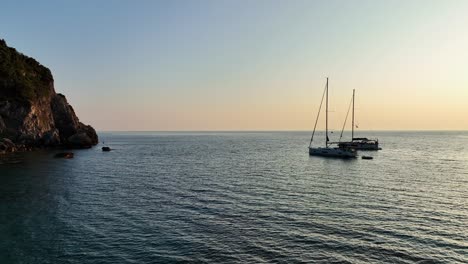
{"points": [[32, 114]]}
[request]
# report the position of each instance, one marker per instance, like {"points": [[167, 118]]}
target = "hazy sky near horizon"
{"points": [[250, 65]]}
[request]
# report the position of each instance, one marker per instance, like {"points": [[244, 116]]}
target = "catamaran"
{"points": [[328, 150], [358, 143]]}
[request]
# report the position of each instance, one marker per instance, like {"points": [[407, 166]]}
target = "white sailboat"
{"points": [[359, 143], [328, 150]]}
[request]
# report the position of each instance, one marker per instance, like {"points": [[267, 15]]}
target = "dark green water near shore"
{"points": [[237, 198]]}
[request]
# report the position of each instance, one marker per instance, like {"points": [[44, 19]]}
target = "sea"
{"points": [[238, 197]]}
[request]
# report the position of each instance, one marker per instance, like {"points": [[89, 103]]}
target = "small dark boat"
{"points": [[106, 149], [64, 155], [367, 157]]}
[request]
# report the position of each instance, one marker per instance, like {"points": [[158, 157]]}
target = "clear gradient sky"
{"points": [[250, 65]]}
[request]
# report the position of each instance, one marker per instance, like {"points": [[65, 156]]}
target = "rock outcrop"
{"points": [[32, 114]]}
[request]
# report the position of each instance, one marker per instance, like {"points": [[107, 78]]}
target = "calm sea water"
{"points": [[238, 198]]}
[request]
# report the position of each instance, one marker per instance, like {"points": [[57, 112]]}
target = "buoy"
{"points": [[106, 149]]}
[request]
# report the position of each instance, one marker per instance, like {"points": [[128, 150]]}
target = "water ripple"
{"points": [[238, 198]]}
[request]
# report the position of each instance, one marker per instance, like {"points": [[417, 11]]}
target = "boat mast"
{"points": [[346, 119], [326, 118], [352, 125], [318, 115]]}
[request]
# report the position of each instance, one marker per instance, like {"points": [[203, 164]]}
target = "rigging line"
{"points": [[316, 120], [346, 119]]}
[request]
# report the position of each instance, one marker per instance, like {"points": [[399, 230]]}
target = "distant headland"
{"points": [[32, 114]]}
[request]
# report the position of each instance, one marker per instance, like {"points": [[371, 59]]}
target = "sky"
{"points": [[250, 65]]}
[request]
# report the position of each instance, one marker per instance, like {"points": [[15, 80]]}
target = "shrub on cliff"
{"points": [[22, 77]]}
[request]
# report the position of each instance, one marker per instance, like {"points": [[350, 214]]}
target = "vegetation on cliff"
{"points": [[22, 77]]}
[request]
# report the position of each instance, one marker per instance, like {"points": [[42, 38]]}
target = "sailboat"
{"points": [[328, 150], [358, 143]]}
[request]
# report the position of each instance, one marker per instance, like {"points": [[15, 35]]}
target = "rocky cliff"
{"points": [[32, 114]]}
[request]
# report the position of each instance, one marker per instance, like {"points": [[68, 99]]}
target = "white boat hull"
{"points": [[333, 152]]}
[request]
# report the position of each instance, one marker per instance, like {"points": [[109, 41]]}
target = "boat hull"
{"points": [[360, 145], [332, 152]]}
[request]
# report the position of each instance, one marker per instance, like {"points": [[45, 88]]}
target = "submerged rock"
{"points": [[65, 155], [6, 146]]}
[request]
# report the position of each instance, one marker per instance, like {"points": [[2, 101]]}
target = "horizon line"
{"points": [[291, 130]]}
